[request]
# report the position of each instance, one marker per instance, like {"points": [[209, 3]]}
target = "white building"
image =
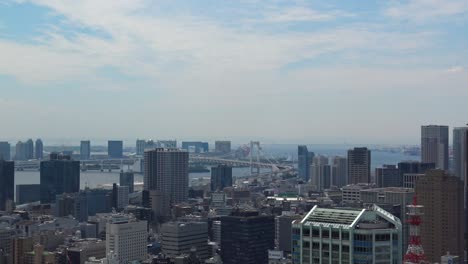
{"points": [[126, 238]]}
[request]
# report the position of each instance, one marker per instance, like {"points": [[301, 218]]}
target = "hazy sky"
{"points": [[293, 71]]}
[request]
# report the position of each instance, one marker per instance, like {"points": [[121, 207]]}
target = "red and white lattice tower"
{"points": [[415, 252]]}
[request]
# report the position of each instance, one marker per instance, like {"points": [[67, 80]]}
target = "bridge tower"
{"points": [[254, 144]]}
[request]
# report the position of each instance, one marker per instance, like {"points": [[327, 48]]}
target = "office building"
{"points": [[443, 228], [459, 152], [122, 197], [304, 158], [81, 251], [39, 149], [29, 149], [127, 179], [387, 176], [20, 152], [7, 183], [320, 173], [28, 193], [166, 174], [126, 238], [140, 146], [351, 193], [434, 145], [221, 177], [195, 146], [21, 245], [246, 237], [166, 144], [223, 147], [413, 168], [5, 151], [115, 149], [283, 227], [339, 171], [179, 238], [410, 179], [325, 235], [359, 162], [58, 175], [99, 201], [85, 150], [74, 204]]}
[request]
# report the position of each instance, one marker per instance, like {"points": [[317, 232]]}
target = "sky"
{"points": [[316, 72]]}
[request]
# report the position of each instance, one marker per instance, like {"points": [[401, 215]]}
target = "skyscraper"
{"points": [[412, 167], [29, 149], [39, 149], [339, 171], [7, 182], [140, 146], [115, 149], [85, 150], [221, 177], [20, 153], [443, 225], [388, 176], [304, 159], [59, 175], [166, 175], [127, 179], [359, 161], [434, 145], [459, 152], [320, 172], [5, 150]]}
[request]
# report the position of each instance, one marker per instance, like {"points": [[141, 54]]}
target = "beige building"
{"points": [[434, 145]]}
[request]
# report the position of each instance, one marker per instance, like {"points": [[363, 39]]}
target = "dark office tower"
{"points": [[359, 161], [413, 167], [283, 228], [434, 145], [28, 193], [221, 177], [388, 176], [7, 182], [459, 152], [339, 171], [166, 177], [115, 149], [5, 150], [20, 153], [223, 146], [127, 179], [304, 158], [29, 149], [443, 226], [39, 149], [59, 175], [246, 238], [85, 150]]}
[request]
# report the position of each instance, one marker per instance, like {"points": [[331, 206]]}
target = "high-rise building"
{"points": [[39, 149], [459, 152], [223, 147], [283, 227], [320, 173], [166, 174], [195, 146], [127, 179], [28, 193], [85, 150], [122, 197], [59, 175], [304, 159], [179, 238], [140, 146], [359, 162], [115, 149], [326, 235], [5, 150], [221, 177], [434, 145], [339, 171], [388, 176], [413, 168], [246, 237], [20, 152], [21, 245], [126, 238], [75, 204], [443, 227], [29, 149], [7, 183]]}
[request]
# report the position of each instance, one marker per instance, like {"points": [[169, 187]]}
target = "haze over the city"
{"points": [[291, 71]]}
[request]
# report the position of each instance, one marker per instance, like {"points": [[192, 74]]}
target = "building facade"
{"points": [[359, 162], [115, 149], [223, 147], [221, 177], [127, 179], [304, 158], [85, 150], [5, 151], [434, 145], [28, 193], [126, 238], [179, 238], [7, 183], [388, 176], [339, 171], [459, 152], [195, 146], [39, 149]]}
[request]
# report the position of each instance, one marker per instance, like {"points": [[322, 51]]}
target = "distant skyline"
{"points": [[360, 72]]}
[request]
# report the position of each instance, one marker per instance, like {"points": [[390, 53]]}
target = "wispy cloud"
{"points": [[425, 10]]}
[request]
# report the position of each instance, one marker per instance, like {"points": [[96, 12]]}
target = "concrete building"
{"points": [[413, 167], [7, 183], [21, 245], [166, 178], [410, 179], [85, 150], [246, 237], [115, 149], [29, 149], [283, 227], [58, 175], [460, 152], [223, 147], [6, 238], [122, 197], [359, 161], [140, 146], [126, 238], [434, 145], [178, 238], [442, 231], [304, 158], [81, 251], [324, 235], [339, 171], [20, 152], [127, 179], [5, 151], [74, 204], [320, 173], [221, 177], [195, 146], [388, 176], [39, 149], [351, 193]]}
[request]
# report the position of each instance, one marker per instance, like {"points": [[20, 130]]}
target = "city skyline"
{"points": [[256, 69]]}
